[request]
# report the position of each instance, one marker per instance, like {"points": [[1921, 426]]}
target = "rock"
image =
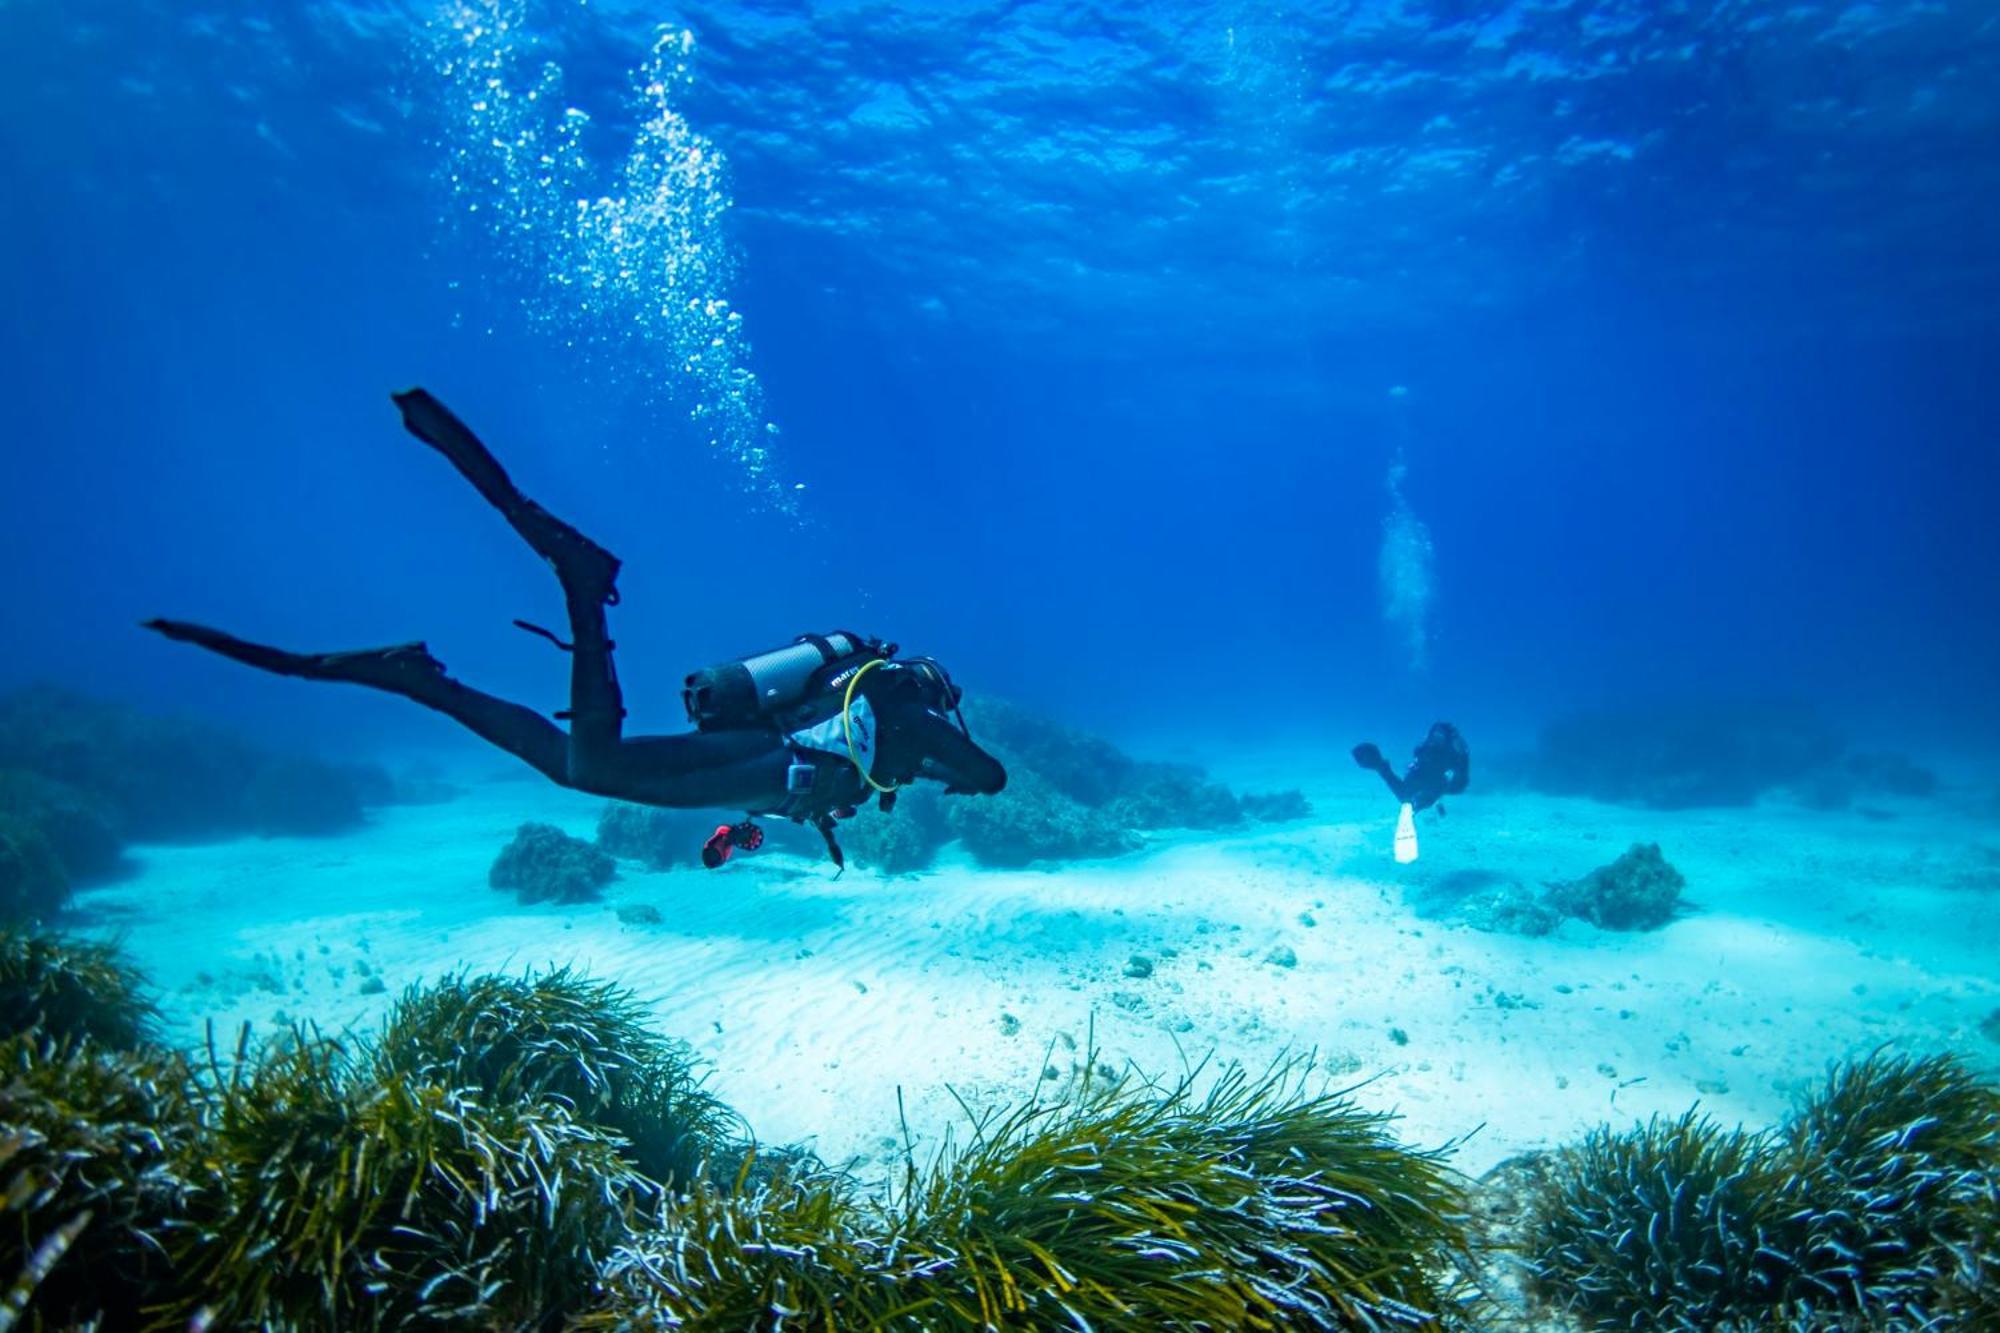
{"points": [[1128, 1001], [1675, 756], [544, 864], [1507, 909], [660, 839], [640, 914], [298, 797], [901, 840], [1139, 966], [1638, 891], [81, 832], [1276, 807], [1161, 796], [172, 779], [373, 986], [1283, 956], [1990, 1027], [1032, 820], [1009, 1025], [33, 886]]}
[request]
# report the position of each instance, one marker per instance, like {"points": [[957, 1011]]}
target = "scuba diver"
{"points": [[806, 732], [1441, 768]]}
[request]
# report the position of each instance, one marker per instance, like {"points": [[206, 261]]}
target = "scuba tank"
{"points": [[786, 688]]}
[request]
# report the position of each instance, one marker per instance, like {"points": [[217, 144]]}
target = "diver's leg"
{"points": [[723, 770], [588, 572], [410, 671]]}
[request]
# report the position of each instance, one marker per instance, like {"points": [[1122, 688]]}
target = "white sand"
{"points": [[1810, 936]]}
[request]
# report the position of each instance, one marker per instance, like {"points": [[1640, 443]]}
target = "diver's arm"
{"points": [[938, 750]]}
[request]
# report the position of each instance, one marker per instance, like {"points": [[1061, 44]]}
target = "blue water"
{"points": [[1226, 373]]}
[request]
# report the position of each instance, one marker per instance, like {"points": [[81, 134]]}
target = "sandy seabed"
{"points": [[1807, 936]]}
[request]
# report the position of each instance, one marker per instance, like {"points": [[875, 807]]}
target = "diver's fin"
{"points": [[585, 567], [434, 423], [384, 668]]}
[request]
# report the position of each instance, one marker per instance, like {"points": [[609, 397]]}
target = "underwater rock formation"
{"points": [[1071, 796], [1676, 756], [1158, 796], [1033, 820], [544, 864], [1638, 891], [79, 830], [1275, 807], [1087, 769], [301, 797], [902, 840], [1508, 908], [1836, 786], [166, 779], [1869, 1208], [659, 839], [33, 886]]}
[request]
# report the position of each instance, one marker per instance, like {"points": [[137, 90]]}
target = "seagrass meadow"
{"points": [[524, 1152]]}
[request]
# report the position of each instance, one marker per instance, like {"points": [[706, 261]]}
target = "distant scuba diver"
{"points": [[1442, 767], [806, 732]]}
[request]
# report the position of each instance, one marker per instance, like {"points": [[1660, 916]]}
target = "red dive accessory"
{"points": [[727, 838]]}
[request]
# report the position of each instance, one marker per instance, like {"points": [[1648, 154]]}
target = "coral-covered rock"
{"points": [[78, 829], [1275, 807], [294, 797], [544, 864], [1068, 790], [1638, 891], [168, 778], [1087, 769], [660, 839], [171, 779], [1508, 909], [1682, 755], [32, 883], [1161, 796], [1034, 821], [901, 841]]}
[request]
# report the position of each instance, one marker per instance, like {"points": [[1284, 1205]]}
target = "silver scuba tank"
{"points": [[775, 688]]}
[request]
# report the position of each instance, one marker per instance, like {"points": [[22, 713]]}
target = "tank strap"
{"points": [[827, 651]]}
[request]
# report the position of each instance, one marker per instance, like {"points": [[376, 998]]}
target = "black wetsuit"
{"points": [[1442, 767], [753, 769]]}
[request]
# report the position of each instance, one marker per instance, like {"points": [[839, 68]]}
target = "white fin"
{"points": [[1406, 835]]}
